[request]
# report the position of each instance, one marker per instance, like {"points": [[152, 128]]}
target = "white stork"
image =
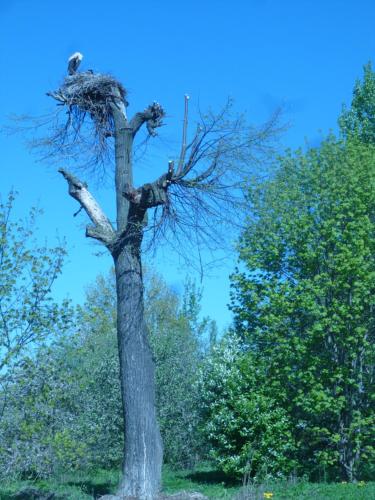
{"points": [[74, 61]]}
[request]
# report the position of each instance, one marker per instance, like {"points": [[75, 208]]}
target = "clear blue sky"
{"points": [[300, 53]]}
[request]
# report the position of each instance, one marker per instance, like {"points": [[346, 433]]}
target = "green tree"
{"points": [[65, 404], [245, 431], [304, 306], [359, 119], [40, 432], [176, 337], [29, 320], [28, 315], [175, 331]]}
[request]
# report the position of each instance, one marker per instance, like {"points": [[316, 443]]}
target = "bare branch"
{"points": [[102, 229], [184, 133], [205, 196], [193, 201]]}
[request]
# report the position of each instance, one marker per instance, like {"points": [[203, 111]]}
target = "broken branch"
{"points": [[102, 229], [152, 116]]}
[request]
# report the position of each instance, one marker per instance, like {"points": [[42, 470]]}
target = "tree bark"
{"points": [[143, 446], [143, 454]]}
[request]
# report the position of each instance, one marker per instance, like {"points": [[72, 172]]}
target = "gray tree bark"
{"points": [[143, 446]]}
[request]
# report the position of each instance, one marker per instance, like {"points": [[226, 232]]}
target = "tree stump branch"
{"points": [[102, 229]]}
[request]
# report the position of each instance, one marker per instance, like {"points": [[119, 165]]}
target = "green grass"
{"points": [[83, 486], [72, 485], [304, 490]]}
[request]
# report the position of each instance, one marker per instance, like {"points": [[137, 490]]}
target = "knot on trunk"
{"points": [[148, 195]]}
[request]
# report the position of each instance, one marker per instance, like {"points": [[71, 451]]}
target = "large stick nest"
{"points": [[91, 94]]}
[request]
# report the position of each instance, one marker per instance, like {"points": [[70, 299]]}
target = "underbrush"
{"points": [[204, 479]]}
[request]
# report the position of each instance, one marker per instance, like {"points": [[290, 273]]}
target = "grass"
{"points": [[83, 486], [204, 479], [72, 485], [304, 490]]}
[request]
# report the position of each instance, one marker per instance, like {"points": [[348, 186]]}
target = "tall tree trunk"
{"points": [[143, 452], [143, 447]]}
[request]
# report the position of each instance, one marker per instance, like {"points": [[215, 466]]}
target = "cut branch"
{"points": [[152, 116], [102, 229], [184, 133], [152, 194]]}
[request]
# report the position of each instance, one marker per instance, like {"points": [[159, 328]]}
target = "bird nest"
{"points": [[90, 95]]}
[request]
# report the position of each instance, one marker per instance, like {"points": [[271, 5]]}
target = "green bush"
{"points": [[247, 432]]}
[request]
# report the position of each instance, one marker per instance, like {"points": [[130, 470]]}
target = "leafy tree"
{"points": [[40, 433], [174, 330], [246, 430], [176, 335], [359, 119], [65, 404], [28, 315], [304, 306], [99, 415]]}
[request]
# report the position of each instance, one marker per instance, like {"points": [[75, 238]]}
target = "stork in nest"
{"points": [[74, 61]]}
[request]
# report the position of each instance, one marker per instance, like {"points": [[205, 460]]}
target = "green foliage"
{"points": [[65, 401], [29, 320], [27, 273], [247, 432], [97, 368], [41, 435], [175, 332], [359, 119], [304, 307]]}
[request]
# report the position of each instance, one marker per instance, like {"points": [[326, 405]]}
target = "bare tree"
{"points": [[194, 203]]}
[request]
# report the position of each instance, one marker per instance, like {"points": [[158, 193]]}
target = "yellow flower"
{"points": [[268, 494], [361, 483], [344, 482]]}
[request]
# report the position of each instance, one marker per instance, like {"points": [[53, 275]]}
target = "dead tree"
{"points": [[199, 193]]}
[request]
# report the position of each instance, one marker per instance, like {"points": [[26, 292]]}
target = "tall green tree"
{"points": [[359, 119], [28, 270], [243, 428], [64, 402], [304, 301], [176, 337]]}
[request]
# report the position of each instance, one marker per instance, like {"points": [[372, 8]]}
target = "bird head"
{"points": [[76, 55]]}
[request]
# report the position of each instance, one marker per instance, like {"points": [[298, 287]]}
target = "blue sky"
{"points": [[305, 55]]}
